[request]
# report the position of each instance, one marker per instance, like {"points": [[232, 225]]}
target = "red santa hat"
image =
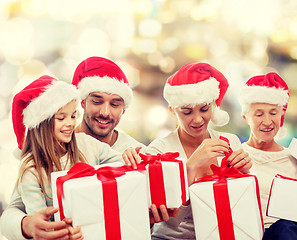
{"points": [[197, 83], [98, 74], [38, 102], [269, 88]]}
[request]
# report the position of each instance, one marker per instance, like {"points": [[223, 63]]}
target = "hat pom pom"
{"points": [[219, 117], [282, 132]]}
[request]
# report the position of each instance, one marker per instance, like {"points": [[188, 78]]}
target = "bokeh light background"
{"points": [[149, 40]]}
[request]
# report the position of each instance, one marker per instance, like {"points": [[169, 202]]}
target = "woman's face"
{"points": [[194, 120], [65, 120], [264, 120]]}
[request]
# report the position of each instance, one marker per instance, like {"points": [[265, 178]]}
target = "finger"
{"points": [[126, 160], [131, 159], [164, 212], [175, 212], [137, 149], [58, 234], [68, 221], [155, 213], [49, 211], [45, 225], [136, 156]]}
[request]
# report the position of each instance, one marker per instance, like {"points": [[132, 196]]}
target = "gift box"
{"points": [[166, 179], [107, 202], [283, 198], [226, 205]]}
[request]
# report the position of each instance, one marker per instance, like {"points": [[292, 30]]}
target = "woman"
{"points": [[194, 94], [264, 101]]}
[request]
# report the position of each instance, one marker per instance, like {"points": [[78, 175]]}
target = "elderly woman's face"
{"points": [[264, 120]]}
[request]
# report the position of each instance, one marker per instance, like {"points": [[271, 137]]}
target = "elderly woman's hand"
{"points": [[240, 160]]}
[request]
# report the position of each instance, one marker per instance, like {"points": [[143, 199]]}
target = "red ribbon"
{"points": [[221, 195], [107, 176], [157, 189]]}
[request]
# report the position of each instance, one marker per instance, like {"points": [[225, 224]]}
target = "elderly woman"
{"points": [[264, 101], [194, 94]]}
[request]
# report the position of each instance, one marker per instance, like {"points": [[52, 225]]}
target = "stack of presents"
{"points": [[112, 202]]}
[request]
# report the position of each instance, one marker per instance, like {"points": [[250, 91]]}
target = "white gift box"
{"points": [[244, 205], [172, 183], [283, 198], [83, 203]]}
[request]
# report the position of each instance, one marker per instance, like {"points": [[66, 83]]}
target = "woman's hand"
{"points": [[240, 160], [131, 156], [204, 156]]}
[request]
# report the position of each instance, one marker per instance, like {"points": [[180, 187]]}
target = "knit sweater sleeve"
{"points": [[31, 192], [12, 216]]}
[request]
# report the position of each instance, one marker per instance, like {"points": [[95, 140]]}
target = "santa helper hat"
{"points": [[197, 83], [98, 74], [38, 102], [269, 88]]}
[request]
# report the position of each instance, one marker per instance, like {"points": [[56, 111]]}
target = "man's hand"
{"points": [[39, 227], [162, 214]]}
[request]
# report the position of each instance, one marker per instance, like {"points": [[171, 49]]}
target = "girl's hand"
{"points": [[131, 156], [240, 160], [74, 233]]}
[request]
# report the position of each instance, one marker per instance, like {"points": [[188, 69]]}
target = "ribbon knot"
{"points": [[149, 158]]}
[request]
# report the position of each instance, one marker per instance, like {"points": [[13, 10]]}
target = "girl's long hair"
{"points": [[42, 152]]}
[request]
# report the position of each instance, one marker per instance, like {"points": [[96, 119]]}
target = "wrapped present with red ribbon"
{"points": [[226, 205], [283, 198], [167, 179], [107, 202]]}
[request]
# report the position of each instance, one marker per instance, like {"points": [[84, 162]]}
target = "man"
{"points": [[105, 95]]}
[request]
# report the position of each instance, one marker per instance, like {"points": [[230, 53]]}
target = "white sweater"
{"points": [[182, 226], [265, 166]]}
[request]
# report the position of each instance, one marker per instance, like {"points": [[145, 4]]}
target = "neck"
{"points": [[189, 142], [110, 139], [269, 146]]}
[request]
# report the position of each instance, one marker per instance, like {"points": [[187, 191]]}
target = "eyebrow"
{"points": [[113, 99]]}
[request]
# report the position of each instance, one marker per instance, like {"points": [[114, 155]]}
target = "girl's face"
{"points": [[194, 120], [264, 120], [64, 124]]}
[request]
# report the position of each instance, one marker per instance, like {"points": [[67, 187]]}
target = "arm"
{"points": [[12, 217]]}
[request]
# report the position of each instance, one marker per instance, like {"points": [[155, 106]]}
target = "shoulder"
{"points": [[164, 144], [125, 141]]}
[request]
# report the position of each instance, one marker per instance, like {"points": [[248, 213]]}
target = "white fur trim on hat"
{"points": [[205, 91], [48, 103], [261, 94], [105, 84], [219, 117]]}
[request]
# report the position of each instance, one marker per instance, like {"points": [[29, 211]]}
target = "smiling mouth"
{"points": [[67, 132], [266, 130], [198, 127]]}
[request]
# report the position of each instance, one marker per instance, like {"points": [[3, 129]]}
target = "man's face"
{"points": [[102, 113]]}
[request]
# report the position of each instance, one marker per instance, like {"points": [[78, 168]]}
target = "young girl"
{"points": [[47, 109], [194, 94]]}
